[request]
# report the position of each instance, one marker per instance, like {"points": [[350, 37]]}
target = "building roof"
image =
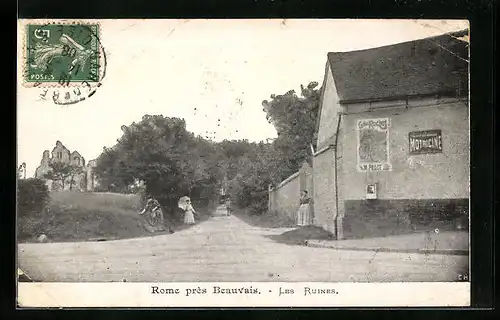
{"points": [[436, 65]]}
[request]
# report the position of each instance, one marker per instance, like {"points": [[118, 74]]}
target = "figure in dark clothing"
{"points": [[228, 206]]}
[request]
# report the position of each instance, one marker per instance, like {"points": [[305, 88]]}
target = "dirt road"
{"points": [[225, 249]]}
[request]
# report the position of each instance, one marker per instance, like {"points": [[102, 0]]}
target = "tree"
{"points": [[62, 172], [251, 167], [75, 171], [171, 161], [248, 171], [294, 118], [110, 171]]}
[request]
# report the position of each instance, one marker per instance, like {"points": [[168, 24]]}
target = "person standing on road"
{"points": [[303, 214], [189, 212], [228, 206]]}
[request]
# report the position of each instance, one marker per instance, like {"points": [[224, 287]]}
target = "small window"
{"points": [[59, 155]]}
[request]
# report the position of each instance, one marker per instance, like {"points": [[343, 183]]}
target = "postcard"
{"points": [[238, 163]]}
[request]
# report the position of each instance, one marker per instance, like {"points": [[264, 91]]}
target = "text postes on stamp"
{"points": [[65, 56]]}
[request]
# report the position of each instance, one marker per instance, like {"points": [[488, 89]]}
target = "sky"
{"points": [[213, 73]]}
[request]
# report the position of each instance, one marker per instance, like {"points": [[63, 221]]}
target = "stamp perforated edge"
{"points": [[24, 23]]}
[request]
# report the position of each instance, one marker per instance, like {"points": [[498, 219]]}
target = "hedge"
{"points": [[32, 196]]}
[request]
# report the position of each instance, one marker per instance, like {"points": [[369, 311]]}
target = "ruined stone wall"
{"points": [[91, 181], [60, 153], [44, 165], [85, 181]]}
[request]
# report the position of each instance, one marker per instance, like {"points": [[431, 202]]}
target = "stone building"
{"points": [[392, 151], [83, 181], [393, 139]]}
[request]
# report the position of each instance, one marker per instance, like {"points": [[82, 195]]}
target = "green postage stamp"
{"points": [[59, 54]]}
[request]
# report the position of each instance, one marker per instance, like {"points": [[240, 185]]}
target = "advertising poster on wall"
{"points": [[373, 145], [429, 141]]}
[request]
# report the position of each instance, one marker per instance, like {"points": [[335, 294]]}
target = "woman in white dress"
{"points": [[189, 212], [303, 214]]}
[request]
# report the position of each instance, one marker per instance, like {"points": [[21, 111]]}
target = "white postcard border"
{"points": [[252, 294]]}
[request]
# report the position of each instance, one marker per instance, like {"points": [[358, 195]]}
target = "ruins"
{"points": [[84, 181]]}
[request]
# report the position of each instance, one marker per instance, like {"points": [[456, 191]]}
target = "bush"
{"points": [[32, 196], [249, 192]]}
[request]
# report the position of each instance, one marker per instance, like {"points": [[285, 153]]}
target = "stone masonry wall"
{"points": [[427, 191], [324, 191], [285, 198]]}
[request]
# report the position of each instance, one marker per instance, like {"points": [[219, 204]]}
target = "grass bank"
{"points": [[78, 216]]}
